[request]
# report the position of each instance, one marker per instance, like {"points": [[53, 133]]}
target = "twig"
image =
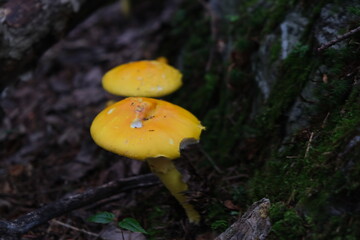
{"points": [[325, 120], [308, 145], [236, 177], [338, 39], [14, 229], [74, 228]]}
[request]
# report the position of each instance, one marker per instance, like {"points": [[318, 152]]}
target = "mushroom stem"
{"points": [[172, 179]]}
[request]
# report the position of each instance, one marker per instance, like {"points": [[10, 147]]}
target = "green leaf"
{"points": [[131, 224], [102, 217]]}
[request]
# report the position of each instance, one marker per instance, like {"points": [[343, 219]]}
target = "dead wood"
{"points": [[254, 224], [29, 27], [10, 230], [339, 39]]}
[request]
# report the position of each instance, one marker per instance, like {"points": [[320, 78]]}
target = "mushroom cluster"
{"points": [[147, 129]]}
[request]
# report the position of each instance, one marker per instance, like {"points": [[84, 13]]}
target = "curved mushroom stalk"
{"points": [[172, 179]]}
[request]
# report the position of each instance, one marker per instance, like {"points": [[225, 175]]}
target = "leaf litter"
{"points": [[46, 149]]}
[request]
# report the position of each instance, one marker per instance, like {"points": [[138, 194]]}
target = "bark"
{"points": [[29, 27], [14, 229], [254, 224]]}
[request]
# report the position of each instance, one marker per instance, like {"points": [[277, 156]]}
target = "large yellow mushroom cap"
{"points": [[142, 79], [142, 128]]}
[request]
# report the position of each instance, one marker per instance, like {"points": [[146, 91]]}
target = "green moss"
{"points": [[219, 124], [217, 217], [242, 44], [314, 184], [275, 51], [309, 183], [293, 75], [287, 223], [277, 14], [354, 10], [318, 181]]}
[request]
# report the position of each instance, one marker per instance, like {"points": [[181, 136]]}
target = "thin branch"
{"points": [[74, 228], [14, 229], [338, 39], [309, 145]]}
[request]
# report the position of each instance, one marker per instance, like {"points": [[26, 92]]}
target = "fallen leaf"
{"points": [[111, 232], [230, 205]]}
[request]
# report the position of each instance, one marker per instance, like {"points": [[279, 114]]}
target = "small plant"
{"points": [[219, 225], [130, 224]]}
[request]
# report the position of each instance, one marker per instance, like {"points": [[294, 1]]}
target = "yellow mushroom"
{"points": [[146, 78], [150, 130]]}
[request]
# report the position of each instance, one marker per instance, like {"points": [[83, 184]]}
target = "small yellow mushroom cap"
{"points": [[142, 79], [142, 128]]}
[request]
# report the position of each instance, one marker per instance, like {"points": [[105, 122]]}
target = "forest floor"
{"points": [[47, 151], [299, 148]]}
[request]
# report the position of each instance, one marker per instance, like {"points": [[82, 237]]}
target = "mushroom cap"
{"points": [[142, 128], [147, 78]]}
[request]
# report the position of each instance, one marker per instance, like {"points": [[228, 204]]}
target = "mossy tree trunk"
{"points": [[283, 113]]}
